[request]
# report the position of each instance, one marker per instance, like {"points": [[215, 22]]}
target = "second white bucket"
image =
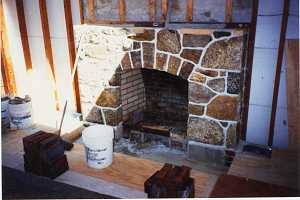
{"points": [[98, 142]]}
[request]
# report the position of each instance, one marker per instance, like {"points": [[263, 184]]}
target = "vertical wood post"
{"points": [[91, 8], [152, 10], [164, 10], [23, 33], [48, 47], [228, 11], [248, 74], [189, 10], [122, 11], [72, 52], [80, 2], [284, 22]]}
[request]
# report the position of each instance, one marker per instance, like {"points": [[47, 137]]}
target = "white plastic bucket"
{"points": [[98, 142], [20, 115], [4, 112]]}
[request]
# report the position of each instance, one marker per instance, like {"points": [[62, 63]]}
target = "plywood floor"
{"points": [[282, 169], [126, 170]]}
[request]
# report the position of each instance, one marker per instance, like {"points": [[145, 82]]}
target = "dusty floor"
{"points": [[158, 152]]}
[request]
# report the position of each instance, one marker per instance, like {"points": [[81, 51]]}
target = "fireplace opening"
{"points": [[155, 105]]}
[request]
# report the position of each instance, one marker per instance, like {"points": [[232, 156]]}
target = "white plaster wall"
{"points": [[37, 83], [263, 74]]}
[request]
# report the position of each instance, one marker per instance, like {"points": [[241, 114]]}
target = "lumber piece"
{"points": [[170, 182]]}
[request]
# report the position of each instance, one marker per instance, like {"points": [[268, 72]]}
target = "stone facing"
{"points": [[205, 131], [210, 63], [224, 54]]}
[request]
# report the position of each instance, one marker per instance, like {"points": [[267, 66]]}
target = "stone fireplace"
{"points": [[192, 78]]}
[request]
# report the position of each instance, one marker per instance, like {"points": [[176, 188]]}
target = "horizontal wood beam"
{"points": [[24, 35], [72, 52]]}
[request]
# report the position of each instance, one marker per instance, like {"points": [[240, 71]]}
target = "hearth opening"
{"points": [[155, 106]]}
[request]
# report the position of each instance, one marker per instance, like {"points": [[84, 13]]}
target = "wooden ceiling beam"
{"points": [[48, 47], [24, 35], [72, 51]]}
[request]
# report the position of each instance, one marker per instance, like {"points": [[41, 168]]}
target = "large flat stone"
{"points": [[224, 54], [126, 64], [186, 70], [161, 61], [190, 40], [224, 108], [233, 83], [196, 109], [199, 93], [110, 97], [191, 54], [209, 73], [113, 117], [231, 136], [217, 85], [197, 77], [147, 35], [95, 116], [174, 64], [148, 55], [205, 131], [136, 59], [169, 41]]}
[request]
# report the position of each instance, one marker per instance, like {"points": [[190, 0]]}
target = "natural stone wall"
{"points": [[211, 62]]}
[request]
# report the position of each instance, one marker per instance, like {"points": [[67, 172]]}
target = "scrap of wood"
{"points": [[48, 47], [152, 9], [228, 11], [122, 11], [7, 71], [196, 31], [189, 10], [24, 35]]}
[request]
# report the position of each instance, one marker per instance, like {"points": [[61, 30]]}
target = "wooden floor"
{"points": [[282, 169], [125, 171]]}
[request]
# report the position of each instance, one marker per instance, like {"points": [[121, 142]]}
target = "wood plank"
{"points": [[72, 51], [48, 47], [91, 9], [228, 11], [23, 33], [281, 169], [152, 9], [189, 10], [7, 71], [80, 2], [284, 22], [164, 10], [122, 11], [293, 93], [248, 76], [131, 171]]}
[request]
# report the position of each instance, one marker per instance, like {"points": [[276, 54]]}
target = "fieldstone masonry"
{"points": [[211, 63]]}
